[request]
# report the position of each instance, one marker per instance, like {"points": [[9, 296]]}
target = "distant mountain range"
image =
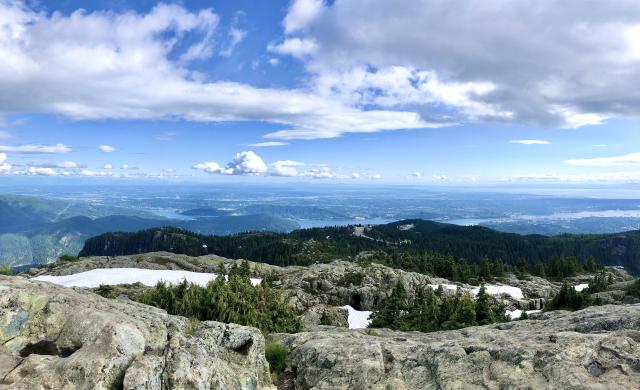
{"points": [[36, 230], [413, 237]]}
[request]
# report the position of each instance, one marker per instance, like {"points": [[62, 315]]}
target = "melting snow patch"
{"points": [[113, 276], [581, 286], [357, 319], [447, 286], [492, 289], [515, 314]]}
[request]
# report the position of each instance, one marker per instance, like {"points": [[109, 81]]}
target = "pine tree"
{"points": [[484, 312]]}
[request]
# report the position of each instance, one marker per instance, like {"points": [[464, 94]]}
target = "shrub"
{"points": [[634, 288], [68, 258], [569, 299], [276, 355], [6, 270], [431, 311], [352, 278], [105, 290], [235, 301]]}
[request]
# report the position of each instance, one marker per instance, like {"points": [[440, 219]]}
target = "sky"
{"points": [[360, 91]]}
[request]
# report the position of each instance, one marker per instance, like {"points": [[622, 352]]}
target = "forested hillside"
{"points": [[418, 245]]}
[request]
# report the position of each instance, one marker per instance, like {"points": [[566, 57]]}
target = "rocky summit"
{"points": [[53, 337], [596, 348], [59, 338]]}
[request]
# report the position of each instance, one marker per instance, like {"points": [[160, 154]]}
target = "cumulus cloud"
{"points": [[627, 159], [127, 167], [440, 177], [244, 163], [578, 70], [296, 47], [4, 167], [416, 174], [107, 166], [36, 149], [107, 148], [269, 144], [287, 168], [301, 13], [132, 65], [530, 142], [41, 171]]}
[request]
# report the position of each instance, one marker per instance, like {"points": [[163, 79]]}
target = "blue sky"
{"points": [[336, 91]]}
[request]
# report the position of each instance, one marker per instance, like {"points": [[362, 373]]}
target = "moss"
{"points": [[276, 354], [38, 303]]}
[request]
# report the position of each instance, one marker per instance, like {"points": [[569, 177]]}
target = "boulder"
{"points": [[55, 337]]}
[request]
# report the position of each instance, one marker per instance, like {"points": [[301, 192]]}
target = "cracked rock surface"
{"points": [[59, 338], [596, 348]]}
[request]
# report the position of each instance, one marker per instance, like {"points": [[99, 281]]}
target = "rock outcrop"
{"points": [[596, 348], [54, 337]]}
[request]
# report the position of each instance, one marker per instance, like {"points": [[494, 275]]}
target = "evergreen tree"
{"points": [[484, 312]]}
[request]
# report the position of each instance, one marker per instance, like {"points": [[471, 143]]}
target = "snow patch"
{"points": [[357, 319], [515, 314], [447, 286], [113, 276], [492, 289], [581, 286]]}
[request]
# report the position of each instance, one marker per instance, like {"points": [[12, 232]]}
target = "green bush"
{"points": [[634, 288], [68, 258], [431, 311], [569, 299], [233, 301], [276, 355], [105, 290], [352, 278], [6, 270]]}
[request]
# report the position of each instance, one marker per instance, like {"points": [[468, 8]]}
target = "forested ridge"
{"points": [[423, 246]]}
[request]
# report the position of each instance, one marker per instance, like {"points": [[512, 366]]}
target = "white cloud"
{"points": [[244, 163], [36, 149], [285, 168], [107, 148], [440, 177], [4, 167], [530, 142], [123, 66], [64, 165], [580, 69], [301, 13], [68, 165], [127, 167], [627, 159], [375, 176], [5, 135], [269, 144], [295, 47], [235, 36], [39, 171], [107, 166], [600, 146], [416, 174], [321, 173], [274, 61]]}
